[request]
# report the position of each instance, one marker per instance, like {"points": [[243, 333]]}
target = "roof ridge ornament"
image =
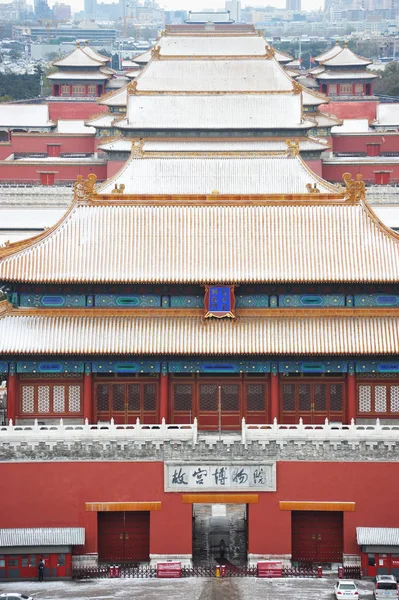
{"points": [[132, 88], [312, 188], [355, 188], [296, 88], [293, 148], [83, 189], [118, 189], [156, 53], [270, 52], [137, 149]]}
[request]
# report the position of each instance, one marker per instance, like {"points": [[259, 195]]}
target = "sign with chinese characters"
{"points": [[220, 477], [219, 301]]}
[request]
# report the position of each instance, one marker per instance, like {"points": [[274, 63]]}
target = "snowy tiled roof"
{"points": [[78, 76], [25, 115], [329, 53], [256, 145], [377, 536], [187, 174], [345, 58], [73, 126], [352, 126], [238, 111], [352, 75], [42, 536], [311, 98], [170, 335], [387, 114], [79, 57], [96, 55], [104, 120], [214, 76], [118, 98], [133, 243]]}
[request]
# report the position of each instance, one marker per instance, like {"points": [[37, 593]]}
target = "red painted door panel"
{"points": [[317, 536], [123, 537]]}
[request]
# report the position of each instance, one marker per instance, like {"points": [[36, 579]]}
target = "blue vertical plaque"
{"points": [[219, 301]]}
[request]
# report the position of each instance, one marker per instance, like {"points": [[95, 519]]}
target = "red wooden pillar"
{"points": [[70, 90], [164, 397], [351, 389], [274, 394], [88, 394], [12, 393], [86, 90]]}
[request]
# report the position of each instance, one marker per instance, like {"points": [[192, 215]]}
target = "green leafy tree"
{"points": [[388, 84]]}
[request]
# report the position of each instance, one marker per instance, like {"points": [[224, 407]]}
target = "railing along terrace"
{"points": [[327, 431], [163, 432], [101, 431]]}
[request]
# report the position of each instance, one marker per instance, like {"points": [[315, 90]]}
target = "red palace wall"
{"points": [[315, 165], [113, 166], [389, 142], [58, 492], [358, 109], [74, 110], [38, 143], [334, 172], [30, 173]]}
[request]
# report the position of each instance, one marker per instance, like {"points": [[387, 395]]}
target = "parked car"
{"points": [[14, 596], [386, 586], [345, 588]]}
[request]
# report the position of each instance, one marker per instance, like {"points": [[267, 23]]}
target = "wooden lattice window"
{"points": [[377, 398], [51, 399]]}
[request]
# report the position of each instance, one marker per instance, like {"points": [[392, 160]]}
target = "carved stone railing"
{"points": [[327, 431], [136, 432]]}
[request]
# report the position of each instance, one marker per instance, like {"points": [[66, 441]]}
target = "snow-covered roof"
{"points": [[352, 126], [214, 145], [351, 75], [329, 53], [212, 45], [42, 536], [377, 536], [235, 111], [103, 120], [153, 174], [346, 58], [387, 114], [214, 76], [78, 76], [29, 218], [312, 98], [25, 115], [117, 98], [96, 55], [79, 57], [73, 126]]}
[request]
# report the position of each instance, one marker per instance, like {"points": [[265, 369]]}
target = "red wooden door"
{"points": [[127, 401], [123, 537], [317, 536], [312, 401], [219, 402]]}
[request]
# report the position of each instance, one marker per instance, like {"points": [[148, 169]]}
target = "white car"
{"points": [[345, 588], [14, 596]]}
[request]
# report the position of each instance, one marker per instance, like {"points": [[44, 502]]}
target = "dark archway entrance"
{"points": [[220, 534], [317, 537], [123, 537]]}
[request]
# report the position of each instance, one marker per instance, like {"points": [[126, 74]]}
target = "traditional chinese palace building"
{"points": [[342, 73], [208, 334]]}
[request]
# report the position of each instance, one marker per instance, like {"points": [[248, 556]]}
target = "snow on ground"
{"points": [[249, 588]]}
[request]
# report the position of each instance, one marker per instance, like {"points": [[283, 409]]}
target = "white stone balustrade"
{"points": [[101, 431], [328, 431]]}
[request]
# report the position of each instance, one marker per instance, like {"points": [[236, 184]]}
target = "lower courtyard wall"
{"points": [[54, 494]]}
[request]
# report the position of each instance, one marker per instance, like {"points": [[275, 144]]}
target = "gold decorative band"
{"points": [[322, 506], [121, 506]]}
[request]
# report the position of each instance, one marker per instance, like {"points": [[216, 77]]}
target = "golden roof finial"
{"points": [[77, 44], [312, 189], [296, 88], [132, 88], [118, 189], [270, 52], [260, 33], [355, 188], [83, 189], [137, 149], [156, 52], [293, 148], [345, 43], [337, 42]]}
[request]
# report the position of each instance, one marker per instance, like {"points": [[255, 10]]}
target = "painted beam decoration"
{"points": [[220, 477], [219, 301]]}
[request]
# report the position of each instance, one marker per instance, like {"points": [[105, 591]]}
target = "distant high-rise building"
{"points": [[42, 8], [234, 6], [91, 8], [293, 5]]}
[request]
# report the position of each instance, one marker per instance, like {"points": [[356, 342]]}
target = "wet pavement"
{"points": [[248, 588]]}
